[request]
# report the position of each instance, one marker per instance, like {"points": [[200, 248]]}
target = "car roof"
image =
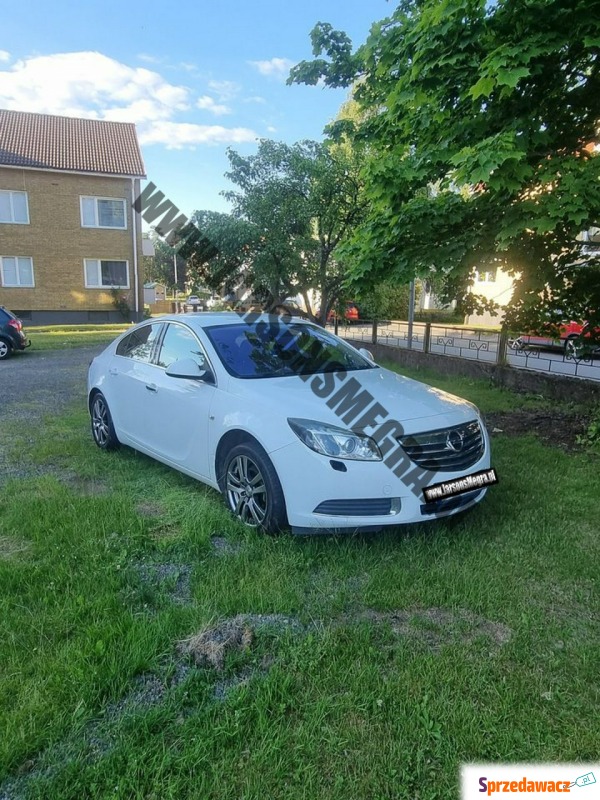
{"points": [[209, 318]]}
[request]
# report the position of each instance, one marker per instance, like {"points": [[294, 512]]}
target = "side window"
{"points": [[178, 343], [140, 342]]}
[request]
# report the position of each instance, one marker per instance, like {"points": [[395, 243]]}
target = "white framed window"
{"points": [[101, 273], [16, 271], [14, 207], [103, 212], [486, 276]]}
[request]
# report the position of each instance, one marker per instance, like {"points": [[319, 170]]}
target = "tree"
{"points": [[293, 206], [385, 300], [479, 128], [161, 266], [224, 263]]}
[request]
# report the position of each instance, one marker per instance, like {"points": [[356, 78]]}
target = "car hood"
{"points": [[403, 398]]}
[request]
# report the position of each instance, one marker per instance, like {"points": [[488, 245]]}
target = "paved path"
{"points": [[46, 379], [33, 384]]}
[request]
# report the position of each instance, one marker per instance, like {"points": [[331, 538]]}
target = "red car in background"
{"points": [[351, 314], [572, 339]]}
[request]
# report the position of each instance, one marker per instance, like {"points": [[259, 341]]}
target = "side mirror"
{"points": [[190, 369], [366, 353]]}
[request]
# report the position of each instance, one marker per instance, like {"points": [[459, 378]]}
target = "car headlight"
{"points": [[329, 440]]}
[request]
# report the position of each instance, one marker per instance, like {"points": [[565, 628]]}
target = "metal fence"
{"points": [[471, 343]]}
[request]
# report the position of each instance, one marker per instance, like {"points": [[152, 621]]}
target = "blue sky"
{"points": [[195, 78]]}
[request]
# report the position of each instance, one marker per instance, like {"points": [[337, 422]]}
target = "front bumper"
{"points": [[313, 484]]}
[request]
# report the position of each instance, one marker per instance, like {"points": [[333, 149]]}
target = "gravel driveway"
{"points": [[33, 384]]}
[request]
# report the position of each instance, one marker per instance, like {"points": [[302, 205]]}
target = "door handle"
{"points": [[151, 387]]}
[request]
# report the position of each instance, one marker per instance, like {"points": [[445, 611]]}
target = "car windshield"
{"points": [[272, 349]]}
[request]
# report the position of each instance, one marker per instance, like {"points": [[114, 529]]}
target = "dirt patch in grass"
{"points": [[97, 738], [242, 678], [148, 691], [223, 547], [437, 627], [174, 579], [12, 547], [165, 533], [21, 468], [572, 608], [88, 487], [209, 647], [558, 428], [148, 509]]}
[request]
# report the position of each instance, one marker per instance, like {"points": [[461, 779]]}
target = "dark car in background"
{"points": [[12, 335]]}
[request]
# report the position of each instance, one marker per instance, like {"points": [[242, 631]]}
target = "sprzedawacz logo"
{"points": [[529, 780]]}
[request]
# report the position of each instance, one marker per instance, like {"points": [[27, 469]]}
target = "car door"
{"points": [[180, 407], [130, 383]]}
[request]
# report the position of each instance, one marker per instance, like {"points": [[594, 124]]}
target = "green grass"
{"points": [[347, 709], [59, 337]]}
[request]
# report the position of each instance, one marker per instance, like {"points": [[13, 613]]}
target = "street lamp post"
{"points": [[176, 286], [411, 313]]}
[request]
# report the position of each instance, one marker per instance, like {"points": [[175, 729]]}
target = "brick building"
{"points": [[70, 240]]}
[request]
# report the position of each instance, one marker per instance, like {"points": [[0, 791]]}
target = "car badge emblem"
{"points": [[455, 441]]}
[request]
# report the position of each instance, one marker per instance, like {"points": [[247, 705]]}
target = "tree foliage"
{"points": [[385, 300], [220, 265], [292, 207], [161, 266], [479, 128]]}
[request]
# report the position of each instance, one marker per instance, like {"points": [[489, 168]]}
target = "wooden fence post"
{"points": [[427, 338], [502, 345]]}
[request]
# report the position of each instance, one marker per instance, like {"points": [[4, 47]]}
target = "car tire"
{"points": [[6, 349], [103, 429], [247, 468]]}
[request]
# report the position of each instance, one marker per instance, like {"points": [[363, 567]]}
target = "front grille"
{"points": [[355, 508], [447, 449]]}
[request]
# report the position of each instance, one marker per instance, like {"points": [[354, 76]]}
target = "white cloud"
{"points": [[89, 84], [177, 135], [274, 67], [188, 66], [150, 59], [271, 129], [4, 55], [208, 104], [225, 90], [255, 99], [92, 85]]}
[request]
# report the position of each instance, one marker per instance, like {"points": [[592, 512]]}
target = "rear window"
{"points": [[139, 344], [5, 315], [275, 349]]}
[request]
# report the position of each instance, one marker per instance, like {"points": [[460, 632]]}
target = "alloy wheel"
{"points": [[100, 422], [3, 349], [246, 491]]}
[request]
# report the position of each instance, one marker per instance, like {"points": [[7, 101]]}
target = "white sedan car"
{"points": [[294, 426]]}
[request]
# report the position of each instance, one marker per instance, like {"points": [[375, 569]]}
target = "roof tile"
{"points": [[44, 141]]}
